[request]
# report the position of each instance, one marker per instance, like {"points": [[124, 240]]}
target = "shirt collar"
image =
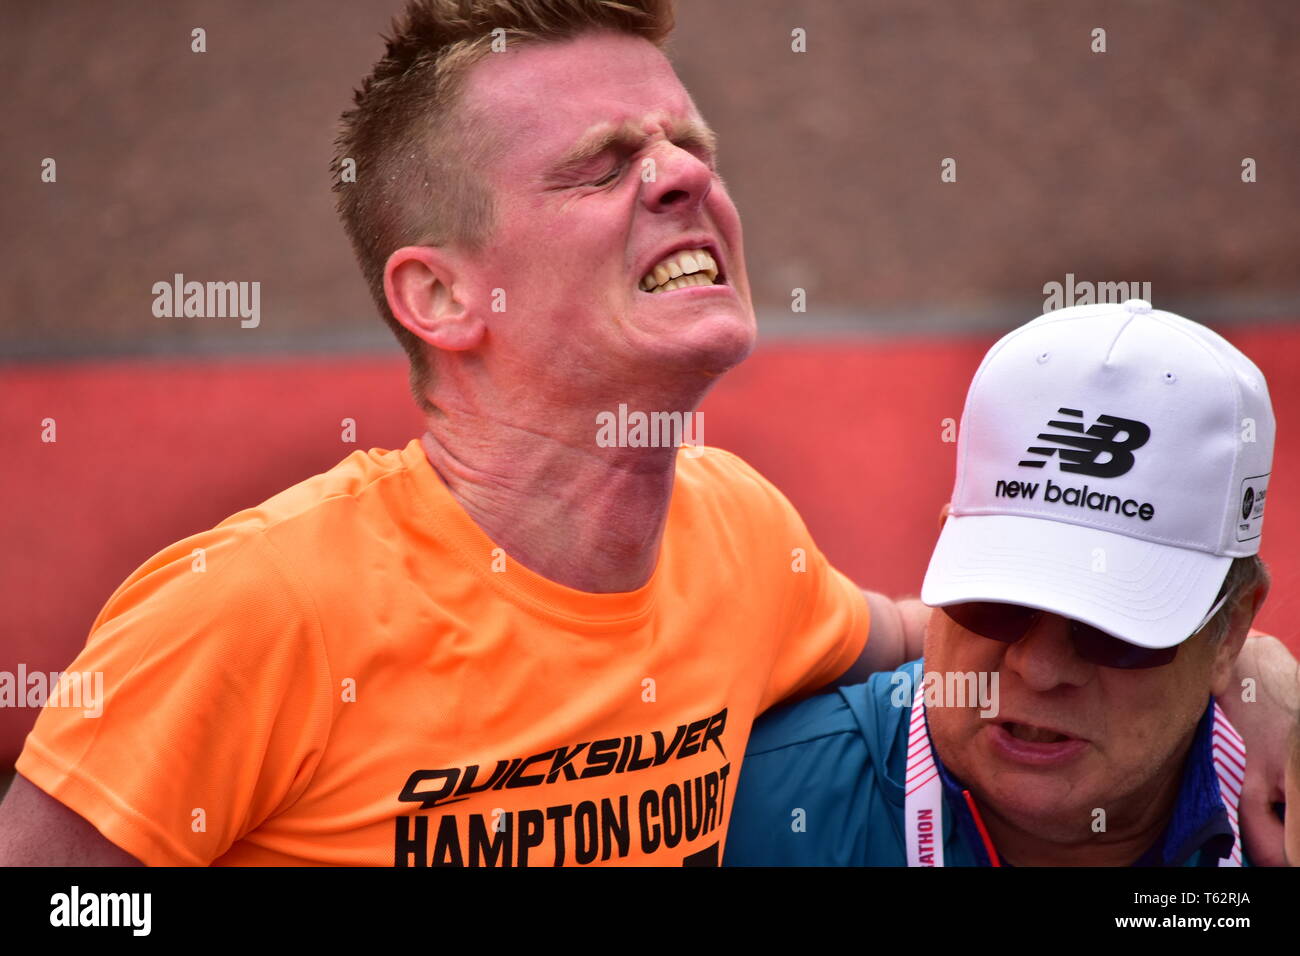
{"points": [[1199, 821]]}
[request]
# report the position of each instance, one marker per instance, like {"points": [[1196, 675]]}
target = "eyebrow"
{"points": [[628, 137]]}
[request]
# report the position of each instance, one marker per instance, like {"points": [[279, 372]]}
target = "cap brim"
{"points": [[1151, 595]]}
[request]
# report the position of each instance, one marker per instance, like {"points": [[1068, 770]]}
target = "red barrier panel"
{"points": [[148, 452]]}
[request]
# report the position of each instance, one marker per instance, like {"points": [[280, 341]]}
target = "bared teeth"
{"points": [[681, 283], [689, 263]]}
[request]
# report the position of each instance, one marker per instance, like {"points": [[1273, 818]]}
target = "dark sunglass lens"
{"points": [[1101, 648], [998, 622]]}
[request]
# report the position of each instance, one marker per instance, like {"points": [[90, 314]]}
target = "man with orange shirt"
{"points": [[507, 643]]}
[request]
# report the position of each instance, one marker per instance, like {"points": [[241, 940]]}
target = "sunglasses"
{"points": [[1008, 623]]}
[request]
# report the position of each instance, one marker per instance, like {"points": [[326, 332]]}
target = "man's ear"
{"points": [[1244, 611], [943, 513], [424, 294]]}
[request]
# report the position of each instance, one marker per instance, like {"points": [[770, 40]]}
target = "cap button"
{"points": [[1138, 305]]}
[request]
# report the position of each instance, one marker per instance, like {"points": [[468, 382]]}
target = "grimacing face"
{"points": [[583, 216], [1131, 727]]}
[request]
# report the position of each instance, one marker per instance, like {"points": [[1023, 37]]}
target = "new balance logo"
{"points": [[1103, 450]]}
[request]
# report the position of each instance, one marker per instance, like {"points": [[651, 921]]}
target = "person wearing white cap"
{"points": [[1094, 581]]}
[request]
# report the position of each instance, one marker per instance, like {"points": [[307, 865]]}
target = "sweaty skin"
{"points": [[517, 392]]}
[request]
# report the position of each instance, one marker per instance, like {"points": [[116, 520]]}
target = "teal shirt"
{"points": [[822, 785]]}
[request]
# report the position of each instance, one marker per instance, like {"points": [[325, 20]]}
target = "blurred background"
{"points": [[1122, 166]]}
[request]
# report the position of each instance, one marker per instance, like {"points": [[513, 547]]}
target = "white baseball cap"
{"points": [[1112, 461]]}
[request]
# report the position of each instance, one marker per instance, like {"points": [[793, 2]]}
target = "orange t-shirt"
{"points": [[353, 673]]}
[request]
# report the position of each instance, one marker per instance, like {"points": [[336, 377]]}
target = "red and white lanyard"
{"points": [[923, 799]]}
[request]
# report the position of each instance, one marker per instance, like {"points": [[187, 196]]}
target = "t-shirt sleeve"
{"points": [[826, 618], [204, 704], [826, 635]]}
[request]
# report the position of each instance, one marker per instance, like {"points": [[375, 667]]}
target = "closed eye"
{"points": [[608, 178]]}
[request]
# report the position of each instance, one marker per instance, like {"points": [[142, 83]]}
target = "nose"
{"points": [[1045, 658], [674, 180]]}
